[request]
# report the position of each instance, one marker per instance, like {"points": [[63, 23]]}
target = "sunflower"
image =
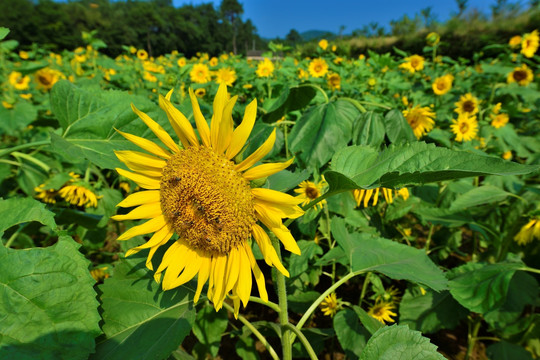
{"points": [[529, 44], [213, 61], [47, 77], [514, 41], [23, 55], [226, 76], [467, 104], [420, 119], [199, 193], [465, 127], [528, 232], [200, 74], [331, 305], [413, 63], [363, 196], [200, 92], [323, 44], [302, 74], [265, 68], [507, 155], [182, 62], [334, 81], [46, 195], [308, 191], [142, 54], [18, 81], [433, 38], [499, 120], [521, 75], [77, 194], [382, 311], [318, 67], [442, 84]]}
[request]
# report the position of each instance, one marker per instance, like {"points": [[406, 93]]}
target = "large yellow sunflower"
{"points": [[47, 77], [420, 119], [200, 74], [318, 67], [465, 127], [265, 68], [529, 44], [226, 76], [198, 192], [467, 104], [521, 75]]}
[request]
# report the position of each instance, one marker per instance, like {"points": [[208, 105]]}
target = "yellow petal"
{"points": [[190, 270], [282, 211], [143, 181], [139, 198], [180, 123], [157, 129], [159, 238], [150, 226], [244, 279], [265, 170], [273, 222], [261, 152], [226, 127], [241, 134], [202, 277], [177, 263], [259, 277], [265, 244], [219, 280], [147, 145], [219, 104], [138, 161], [145, 211], [274, 196], [233, 270], [200, 121]]}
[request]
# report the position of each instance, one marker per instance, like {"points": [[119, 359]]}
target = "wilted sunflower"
{"points": [[334, 81], [265, 68], [198, 192], [442, 84], [420, 119], [528, 232], [521, 75], [467, 104], [529, 44], [46, 195], [465, 127], [382, 311], [200, 74], [47, 77], [308, 191], [226, 76], [499, 120], [318, 67], [413, 63]]}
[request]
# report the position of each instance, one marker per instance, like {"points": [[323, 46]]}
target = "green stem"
{"points": [[364, 288], [286, 342], [472, 337], [24, 146], [30, 158], [316, 87], [303, 340], [270, 304], [356, 103], [12, 238], [533, 270], [428, 241], [255, 332]]}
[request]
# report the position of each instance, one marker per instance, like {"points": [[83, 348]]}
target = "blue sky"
{"points": [[276, 17]]}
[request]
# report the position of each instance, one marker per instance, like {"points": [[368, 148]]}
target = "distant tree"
{"points": [[293, 37], [341, 30], [405, 25], [427, 16], [231, 10], [462, 5]]}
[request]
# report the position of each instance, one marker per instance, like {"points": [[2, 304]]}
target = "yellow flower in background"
{"points": [[331, 305], [100, 274], [124, 185], [265, 68], [47, 77], [515, 41], [247, 86], [200, 92], [132, 49], [323, 44], [142, 54], [499, 120], [334, 48], [148, 76], [26, 96], [382, 311], [318, 67], [200, 74], [198, 192], [23, 55], [363, 196], [372, 82], [528, 232], [338, 60], [522, 75], [420, 119], [529, 44], [413, 63], [308, 191], [465, 127], [302, 74], [496, 108], [213, 61], [46, 195], [7, 105], [18, 81], [507, 155], [433, 38], [442, 84], [182, 62], [467, 104], [334, 81], [361, 57], [226, 76], [78, 195]]}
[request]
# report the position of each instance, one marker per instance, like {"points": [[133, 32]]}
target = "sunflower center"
{"points": [[520, 75], [468, 106], [206, 201], [441, 85], [463, 127], [415, 63], [312, 193]]}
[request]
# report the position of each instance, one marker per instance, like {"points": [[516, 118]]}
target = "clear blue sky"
{"points": [[276, 17]]}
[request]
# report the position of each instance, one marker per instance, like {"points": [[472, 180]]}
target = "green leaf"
{"points": [[482, 287], [15, 211], [479, 196], [299, 264], [370, 323], [369, 129], [417, 163], [20, 116], [431, 311], [140, 320], [48, 303], [292, 98], [351, 334], [285, 180], [506, 351], [397, 128], [3, 32], [397, 261], [322, 131], [209, 327], [399, 342]]}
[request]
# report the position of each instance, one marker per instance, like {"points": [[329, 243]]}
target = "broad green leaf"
{"points": [[397, 261], [292, 98], [301, 300], [506, 351], [3, 32], [368, 129], [411, 164], [140, 320], [399, 342], [482, 287], [21, 115], [246, 346], [322, 131], [370, 323], [48, 303], [209, 327], [431, 311], [479, 196], [15, 211], [285, 180], [299, 264], [443, 217], [397, 128], [351, 334]]}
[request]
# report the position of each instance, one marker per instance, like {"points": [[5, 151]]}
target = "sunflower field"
{"points": [[217, 207]]}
